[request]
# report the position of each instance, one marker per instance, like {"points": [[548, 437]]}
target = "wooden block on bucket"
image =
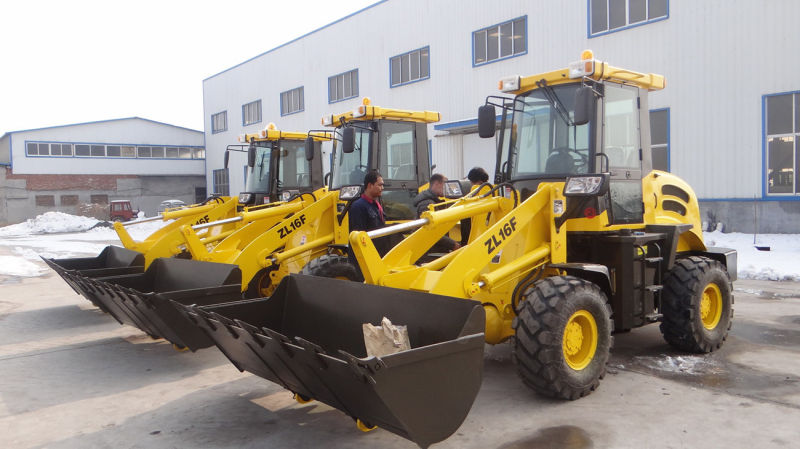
{"points": [[385, 339]]}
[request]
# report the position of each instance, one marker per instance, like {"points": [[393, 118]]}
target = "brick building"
{"points": [[66, 167]]}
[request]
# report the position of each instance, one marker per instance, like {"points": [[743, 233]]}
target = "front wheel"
{"points": [[697, 305], [332, 266], [563, 337]]}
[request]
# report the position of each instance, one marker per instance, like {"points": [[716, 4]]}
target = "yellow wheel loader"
{"points": [[578, 238], [278, 170], [308, 231]]}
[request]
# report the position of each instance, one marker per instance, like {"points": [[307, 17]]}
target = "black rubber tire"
{"points": [[544, 312], [332, 266], [684, 284]]}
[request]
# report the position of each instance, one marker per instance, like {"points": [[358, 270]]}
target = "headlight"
{"points": [[287, 194], [347, 193], [585, 185], [452, 189], [244, 198]]}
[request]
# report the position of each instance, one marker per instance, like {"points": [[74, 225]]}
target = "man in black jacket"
{"points": [[433, 196]]}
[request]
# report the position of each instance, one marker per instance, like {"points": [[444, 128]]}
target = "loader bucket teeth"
{"points": [[112, 261], [307, 337], [148, 300]]}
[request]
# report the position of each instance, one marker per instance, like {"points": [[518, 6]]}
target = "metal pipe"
{"points": [[144, 220], [394, 229], [218, 222]]}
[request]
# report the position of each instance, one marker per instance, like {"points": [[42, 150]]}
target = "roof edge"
{"points": [[101, 121]]}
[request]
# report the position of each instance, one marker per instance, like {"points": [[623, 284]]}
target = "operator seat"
{"points": [[560, 161]]}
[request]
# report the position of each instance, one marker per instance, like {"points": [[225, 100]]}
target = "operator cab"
{"points": [[391, 141], [280, 166], [574, 122]]}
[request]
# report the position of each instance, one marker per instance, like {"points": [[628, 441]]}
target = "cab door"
{"points": [[621, 137]]}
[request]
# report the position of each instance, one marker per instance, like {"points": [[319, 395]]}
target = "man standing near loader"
{"points": [[366, 213], [434, 195]]}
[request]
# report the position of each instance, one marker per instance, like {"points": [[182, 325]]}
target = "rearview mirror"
{"points": [[309, 148], [227, 158], [487, 120], [584, 105], [348, 140], [251, 156]]}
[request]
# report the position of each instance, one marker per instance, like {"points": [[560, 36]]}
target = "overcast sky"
{"points": [[74, 61]]}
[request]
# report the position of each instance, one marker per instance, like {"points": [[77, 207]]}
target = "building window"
{"points": [[343, 86], [221, 182], [501, 41], [782, 134], [606, 16], [219, 122], [45, 200], [198, 153], [292, 101], [199, 194], [251, 113], [659, 138], [113, 151], [69, 200], [409, 67], [98, 199], [82, 150]]}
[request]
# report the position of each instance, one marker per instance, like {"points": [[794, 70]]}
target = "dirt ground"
{"points": [[72, 377]]}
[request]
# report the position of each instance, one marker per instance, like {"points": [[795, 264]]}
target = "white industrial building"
{"points": [[64, 167], [727, 122]]}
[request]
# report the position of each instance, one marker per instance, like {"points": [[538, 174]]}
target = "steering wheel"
{"points": [[562, 160]]}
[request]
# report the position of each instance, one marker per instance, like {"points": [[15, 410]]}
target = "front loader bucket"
{"points": [[307, 337], [112, 261], [143, 300]]}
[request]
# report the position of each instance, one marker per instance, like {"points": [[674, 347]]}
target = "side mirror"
{"points": [[309, 148], [227, 158], [251, 156], [584, 105], [487, 120], [348, 140]]}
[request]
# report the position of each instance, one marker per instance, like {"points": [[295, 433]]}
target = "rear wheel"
{"points": [[563, 337], [696, 305], [331, 266]]}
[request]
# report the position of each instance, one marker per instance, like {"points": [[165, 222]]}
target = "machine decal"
{"points": [[295, 224], [504, 233]]}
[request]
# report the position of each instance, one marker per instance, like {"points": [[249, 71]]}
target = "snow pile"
{"points": [[687, 364], [49, 223], [15, 266], [780, 263]]}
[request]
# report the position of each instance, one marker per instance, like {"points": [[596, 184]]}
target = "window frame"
{"points": [[669, 142], [244, 114], [499, 42], [215, 130], [765, 136], [121, 147], [409, 53], [627, 26], [301, 100], [354, 91], [227, 184]]}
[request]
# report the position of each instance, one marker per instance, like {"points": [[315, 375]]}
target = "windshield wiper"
{"points": [[551, 97]]}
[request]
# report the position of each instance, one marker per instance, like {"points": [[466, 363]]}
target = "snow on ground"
{"points": [[59, 235], [780, 263], [56, 235]]}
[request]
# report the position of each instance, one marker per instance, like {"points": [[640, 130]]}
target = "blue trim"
{"points": [[217, 131], [756, 199], [261, 112], [101, 121], [302, 108], [298, 38], [589, 34], [765, 195], [392, 86], [461, 124], [135, 145], [11, 151], [329, 87], [514, 55], [669, 137]]}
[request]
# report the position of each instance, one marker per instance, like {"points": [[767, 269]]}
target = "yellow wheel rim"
{"points": [[711, 306], [580, 340], [179, 348], [265, 285], [364, 427], [301, 400]]}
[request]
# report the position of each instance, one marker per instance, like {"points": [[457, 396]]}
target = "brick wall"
{"points": [[69, 182]]}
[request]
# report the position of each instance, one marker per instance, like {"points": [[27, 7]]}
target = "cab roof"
{"points": [[366, 111], [602, 72]]}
